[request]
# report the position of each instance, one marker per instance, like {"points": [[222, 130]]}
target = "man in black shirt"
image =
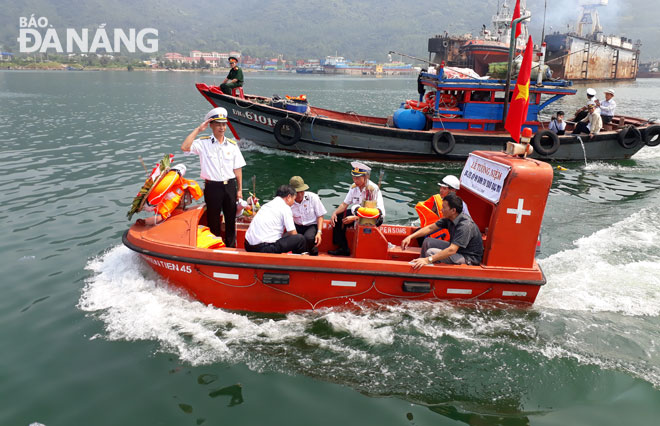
{"points": [[464, 246]]}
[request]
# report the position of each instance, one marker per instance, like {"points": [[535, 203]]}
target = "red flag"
{"points": [[516, 15], [517, 113]]}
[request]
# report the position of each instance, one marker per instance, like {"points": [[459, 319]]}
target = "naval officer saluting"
{"points": [[221, 162]]}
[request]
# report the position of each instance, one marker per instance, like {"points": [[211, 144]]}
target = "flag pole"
{"points": [[512, 48]]}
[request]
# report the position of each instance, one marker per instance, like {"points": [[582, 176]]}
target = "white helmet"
{"points": [[217, 114], [451, 181]]}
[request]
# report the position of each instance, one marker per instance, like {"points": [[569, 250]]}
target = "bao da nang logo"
{"points": [[35, 35]]}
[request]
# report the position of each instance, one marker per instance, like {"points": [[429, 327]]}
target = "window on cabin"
{"points": [[480, 96]]}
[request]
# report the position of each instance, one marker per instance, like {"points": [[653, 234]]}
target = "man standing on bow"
{"points": [[234, 78], [308, 214], [362, 190], [222, 164]]}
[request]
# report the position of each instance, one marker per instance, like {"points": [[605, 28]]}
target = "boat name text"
{"points": [[169, 265]]}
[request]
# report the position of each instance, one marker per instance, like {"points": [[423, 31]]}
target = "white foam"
{"points": [[616, 269]]}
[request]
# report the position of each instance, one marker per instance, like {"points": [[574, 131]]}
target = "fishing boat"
{"points": [[455, 117], [506, 195]]}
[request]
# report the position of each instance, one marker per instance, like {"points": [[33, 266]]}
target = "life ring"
{"points": [[539, 139], [449, 101], [417, 105], [162, 187], [292, 125], [429, 98], [650, 133], [368, 212], [443, 142], [628, 141]]}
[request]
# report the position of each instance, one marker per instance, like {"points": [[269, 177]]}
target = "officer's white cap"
{"points": [[591, 92], [217, 114], [451, 181], [359, 169]]}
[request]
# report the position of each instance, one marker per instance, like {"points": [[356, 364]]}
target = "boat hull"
{"points": [[355, 136], [237, 280]]}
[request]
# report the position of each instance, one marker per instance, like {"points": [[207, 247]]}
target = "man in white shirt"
{"points": [[308, 214], [222, 163], [272, 229], [607, 107], [361, 190]]}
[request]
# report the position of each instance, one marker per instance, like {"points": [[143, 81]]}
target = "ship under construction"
{"points": [[585, 54]]}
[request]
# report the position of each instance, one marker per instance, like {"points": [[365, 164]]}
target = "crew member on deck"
{"points": [[362, 190], [557, 124], [607, 107], [308, 214], [465, 245], [272, 229], [591, 100], [234, 78], [222, 163], [592, 124]]}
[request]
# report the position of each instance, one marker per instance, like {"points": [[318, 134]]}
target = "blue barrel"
{"points": [[409, 119]]}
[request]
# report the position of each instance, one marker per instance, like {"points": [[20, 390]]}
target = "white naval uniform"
{"points": [[217, 159], [270, 222], [356, 196], [308, 210]]}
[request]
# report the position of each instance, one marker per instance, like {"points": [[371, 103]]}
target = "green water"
{"points": [[90, 336]]}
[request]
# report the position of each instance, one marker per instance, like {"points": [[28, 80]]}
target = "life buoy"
{"points": [[417, 105], [629, 137], [291, 124], [429, 98], [538, 142], [162, 187], [448, 100], [652, 135], [443, 142]]}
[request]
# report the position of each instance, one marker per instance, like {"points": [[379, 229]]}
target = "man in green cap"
{"points": [[308, 214], [234, 78]]}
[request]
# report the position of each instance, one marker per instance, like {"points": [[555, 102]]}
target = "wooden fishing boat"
{"points": [[506, 197], [456, 116]]}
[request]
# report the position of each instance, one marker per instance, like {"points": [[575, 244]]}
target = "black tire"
{"points": [[443, 142], [540, 145], [650, 133], [629, 137], [291, 126]]}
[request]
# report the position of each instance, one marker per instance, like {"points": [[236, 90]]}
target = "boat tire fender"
{"points": [[650, 133], [543, 149], [629, 137], [291, 124], [443, 142]]}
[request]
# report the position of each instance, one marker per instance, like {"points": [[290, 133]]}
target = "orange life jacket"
{"points": [[429, 212], [166, 196], [206, 239]]}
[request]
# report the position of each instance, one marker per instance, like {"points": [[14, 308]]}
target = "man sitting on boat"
{"points": [[308, 214], [234, 78], [265, 233], [430, 210], [465, 245], [363, 193], [592, 124], [581, 113], [607, 107], [557, 124]]}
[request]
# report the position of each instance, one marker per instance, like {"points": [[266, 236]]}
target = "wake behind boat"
{"points": [[456, 117], [506, 196]]}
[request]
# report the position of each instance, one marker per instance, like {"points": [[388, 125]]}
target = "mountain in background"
{"points": [[359, 30]]}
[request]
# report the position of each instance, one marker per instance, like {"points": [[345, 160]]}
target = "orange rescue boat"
{"points": [[506, 195]]}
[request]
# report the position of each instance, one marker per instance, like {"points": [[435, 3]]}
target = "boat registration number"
{"points": [[252, 116], [169, 265]]}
